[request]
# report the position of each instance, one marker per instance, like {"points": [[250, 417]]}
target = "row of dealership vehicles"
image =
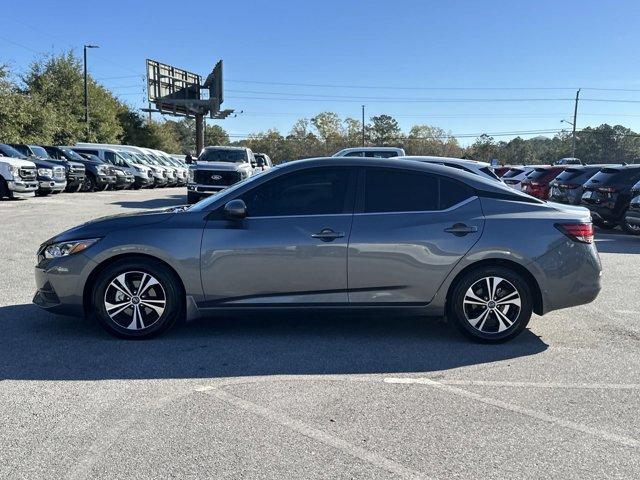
{"points": [[28, 170]]}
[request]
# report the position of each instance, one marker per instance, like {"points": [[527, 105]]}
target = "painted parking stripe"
{"points": [[595, 432]]}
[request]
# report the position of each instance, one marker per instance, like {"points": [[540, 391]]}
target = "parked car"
{"points": [[632, 216], [143, 176], [74, 171], [500, 171], [516, 175], [349, 232], [567, 187], [159, 172], [18, 177], [98, 174], [477, 168], [376, 152], [608, 194], [127, 174], [216, 169], [51, 173], [263, 162], [172, 172], [568, 161], [180, 169], [537, 181]]}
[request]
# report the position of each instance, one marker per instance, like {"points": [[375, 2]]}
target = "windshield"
{"points": [[72, 155], [223, 155], [39, 151], [9, 151], [514, 172], [204, 204], [128, 156]]}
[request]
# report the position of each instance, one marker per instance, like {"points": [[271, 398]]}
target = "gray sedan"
{"points": [[329, 234]]}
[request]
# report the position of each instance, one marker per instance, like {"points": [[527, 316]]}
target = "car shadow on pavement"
{"points": [[168, 201], [615, 241], [36, 345]]}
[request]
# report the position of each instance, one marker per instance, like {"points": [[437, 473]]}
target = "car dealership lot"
{"points": [[311, 396]]}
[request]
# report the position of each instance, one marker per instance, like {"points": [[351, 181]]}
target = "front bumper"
{"points": [[204, 190], [51, 186], [22, 189], [60, 284], [159, 181], [143, 180], [103, 180], [74, 180]]}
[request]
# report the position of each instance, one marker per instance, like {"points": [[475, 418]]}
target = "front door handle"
{"points": [[327, 235], [460, 229]]}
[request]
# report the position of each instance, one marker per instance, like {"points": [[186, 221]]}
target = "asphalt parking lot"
{"points": [[311, 396]]}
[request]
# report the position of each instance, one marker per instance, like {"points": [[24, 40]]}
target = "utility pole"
{"points": [[86, 92], [573, 132], [363, 125]]}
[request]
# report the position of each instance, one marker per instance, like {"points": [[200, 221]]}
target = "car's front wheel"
{"points": [[137, 298], [491, 304]]}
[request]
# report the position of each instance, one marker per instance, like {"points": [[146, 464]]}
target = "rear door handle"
{"points": [[460, 229], [327, 235]]}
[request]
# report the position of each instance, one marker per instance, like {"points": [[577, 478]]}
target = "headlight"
{"points": [[45, 172], [15, 171], [190, 176], [62, 249], [103, 170]]}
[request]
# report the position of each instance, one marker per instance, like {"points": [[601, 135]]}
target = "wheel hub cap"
{"points": [[492, 305], [135, 300]]}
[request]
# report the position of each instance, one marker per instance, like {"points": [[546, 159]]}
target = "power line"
{"points": [[409, 100]]}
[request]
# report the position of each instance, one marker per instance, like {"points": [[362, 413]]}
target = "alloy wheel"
{"points": [[135, 300], [492, 305]]}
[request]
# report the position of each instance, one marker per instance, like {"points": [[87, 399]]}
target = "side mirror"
{"points": [[235, 210], [253, 164]]}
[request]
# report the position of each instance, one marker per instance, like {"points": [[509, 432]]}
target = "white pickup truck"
{"points": [[18, 178]]}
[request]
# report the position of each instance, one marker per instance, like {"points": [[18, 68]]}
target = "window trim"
{"points": [[360, 198]]}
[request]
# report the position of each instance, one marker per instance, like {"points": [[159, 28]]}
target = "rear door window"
{"points": [[388, 190]]}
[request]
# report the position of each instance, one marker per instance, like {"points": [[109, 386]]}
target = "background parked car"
{"points": [[537, 182], [568, 161], [98, 175], [632, 217], [374, 152], [74, 171], [608, 194], [567, 187], [516, 175], [472, 166], [18, 177], [263, 162], [124, 172]]}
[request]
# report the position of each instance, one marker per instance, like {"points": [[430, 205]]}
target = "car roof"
{"points": [[457, 161], [224, 147]]}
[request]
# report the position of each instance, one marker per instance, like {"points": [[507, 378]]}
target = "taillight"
{"points": [[606, 189], [579, 232]]}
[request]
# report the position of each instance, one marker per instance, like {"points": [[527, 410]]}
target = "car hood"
{"points": [[220, 166], [16, 162], [102, 226]]}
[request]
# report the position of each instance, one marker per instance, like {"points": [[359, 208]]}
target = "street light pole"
{"points": [[86, 92], [573, 133], [363, 125]]}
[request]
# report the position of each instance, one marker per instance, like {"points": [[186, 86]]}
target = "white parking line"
{"points": [[595, 432], [586, 386], [314, 433]]}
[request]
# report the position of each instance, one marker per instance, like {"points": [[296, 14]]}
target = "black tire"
{"points": [[169, 288], [4, 189], [89, 184], [105, 187], [193, 198], [78, 188], [629, 228], [458, 312]]}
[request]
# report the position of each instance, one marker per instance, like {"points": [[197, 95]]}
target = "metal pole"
{"points": [[86, 97], [363, 125], [199, 133], [573, 132]]}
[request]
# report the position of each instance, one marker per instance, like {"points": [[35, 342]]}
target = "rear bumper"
{"points": [[568, 276]]}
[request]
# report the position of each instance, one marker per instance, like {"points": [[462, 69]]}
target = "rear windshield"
{"points": [[223, 155], [573, 173], [615, 175], [537, 173], [514, 172]]}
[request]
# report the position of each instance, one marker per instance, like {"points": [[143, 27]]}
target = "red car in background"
{"points": [[537, 182]]}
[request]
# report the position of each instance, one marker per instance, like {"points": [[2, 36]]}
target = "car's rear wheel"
{"points": [[137, 298], [630, 228], [491, 304]]}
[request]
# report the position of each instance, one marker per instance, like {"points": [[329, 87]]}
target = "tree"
{"points": [[384, 130], [483, 149], [428, 140]]}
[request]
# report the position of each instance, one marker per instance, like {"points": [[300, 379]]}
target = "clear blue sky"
{"points": [[409, 47]]}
